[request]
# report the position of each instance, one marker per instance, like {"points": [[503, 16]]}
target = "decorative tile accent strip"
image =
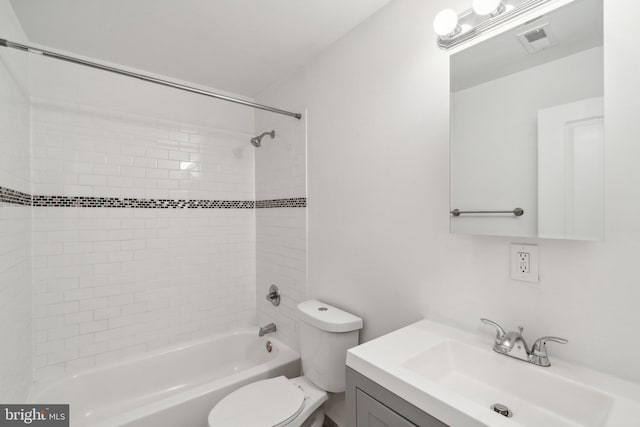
{"points": [[116, 202], [14, 197], [18, 198], [299, 202]]}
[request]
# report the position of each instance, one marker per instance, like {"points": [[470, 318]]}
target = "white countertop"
{"points": [[398, 362]]}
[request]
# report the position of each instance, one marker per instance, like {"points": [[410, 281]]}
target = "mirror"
{"points": [[527, 122]]}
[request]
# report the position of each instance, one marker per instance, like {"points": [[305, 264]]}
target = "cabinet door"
{"points": [[371, 413]]}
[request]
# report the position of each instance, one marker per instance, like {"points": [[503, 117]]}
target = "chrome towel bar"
{"points": [[515, 212]]}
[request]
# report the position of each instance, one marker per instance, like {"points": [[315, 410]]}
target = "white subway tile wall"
{"points": [[14, 134], [112, 282], [109, 283], [281, 162], [281, 246], [16, 355], [78, 151], [281, 252]]}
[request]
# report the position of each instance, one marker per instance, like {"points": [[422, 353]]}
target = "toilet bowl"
{"points": [[272, 402], [326, 333]]}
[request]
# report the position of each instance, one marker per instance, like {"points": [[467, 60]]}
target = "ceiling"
{"points": [[240, 46], [577, 26]]}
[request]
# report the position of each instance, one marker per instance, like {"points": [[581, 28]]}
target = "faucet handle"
{"points": [[500, 333], [274, 295], [540, 346]]}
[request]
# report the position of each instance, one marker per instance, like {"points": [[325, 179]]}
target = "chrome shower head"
{"points": [[257, 141]]}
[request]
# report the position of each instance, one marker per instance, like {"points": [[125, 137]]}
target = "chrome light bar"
{"points": [[471, 23]]}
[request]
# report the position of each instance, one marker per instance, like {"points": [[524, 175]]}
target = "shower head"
{"points": [[257, 141]]}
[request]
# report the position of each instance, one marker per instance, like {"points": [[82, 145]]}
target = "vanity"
{"points": [[432, 375]]}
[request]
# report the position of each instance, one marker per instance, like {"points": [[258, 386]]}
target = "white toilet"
{"points": [[326, 333]]}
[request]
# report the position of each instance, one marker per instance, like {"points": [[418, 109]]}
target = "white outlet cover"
{"points": [[516, 274]]}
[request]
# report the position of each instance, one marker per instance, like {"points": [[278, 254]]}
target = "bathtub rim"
{"points": [[286, 355]]}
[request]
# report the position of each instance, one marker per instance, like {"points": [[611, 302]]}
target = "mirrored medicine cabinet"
{"points": [[527, 129]]}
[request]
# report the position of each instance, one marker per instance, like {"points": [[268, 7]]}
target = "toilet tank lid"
{"points": [[328, 318]]}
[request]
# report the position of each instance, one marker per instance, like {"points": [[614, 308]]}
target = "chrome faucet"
{"points": [[268, 329], [514, 345]]}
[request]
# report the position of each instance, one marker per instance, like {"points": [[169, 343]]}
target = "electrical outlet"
{"points": [[524, 263]]}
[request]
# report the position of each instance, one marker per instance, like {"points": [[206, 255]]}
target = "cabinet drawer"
{"points": [[371, 413], [371, 405]]}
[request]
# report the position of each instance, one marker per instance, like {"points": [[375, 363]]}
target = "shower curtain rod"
{"points": [[59, 56]]}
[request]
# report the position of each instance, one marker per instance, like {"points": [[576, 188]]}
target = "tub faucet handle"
{"points": [[273, 296]]}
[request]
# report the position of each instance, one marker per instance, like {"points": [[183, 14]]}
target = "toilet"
{"points": [[326, 333]]}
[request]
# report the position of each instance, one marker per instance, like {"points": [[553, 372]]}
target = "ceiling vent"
{"points": [[538, 38]]}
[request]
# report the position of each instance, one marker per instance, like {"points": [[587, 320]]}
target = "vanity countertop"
{"points": [[455, 376]]}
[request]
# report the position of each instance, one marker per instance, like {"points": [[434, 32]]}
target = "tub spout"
{"points": [[269, 329]]}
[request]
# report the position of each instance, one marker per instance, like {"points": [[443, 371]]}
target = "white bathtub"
{"points": [[175, 387]]}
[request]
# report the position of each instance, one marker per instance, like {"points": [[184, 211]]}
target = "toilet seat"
{"points": [[272, 402]]}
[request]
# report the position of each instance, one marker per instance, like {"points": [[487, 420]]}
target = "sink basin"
{"points": [[456, 377], [534, 398]]}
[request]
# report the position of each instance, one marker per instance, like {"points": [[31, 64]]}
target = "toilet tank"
{"points": [[326, 333]]}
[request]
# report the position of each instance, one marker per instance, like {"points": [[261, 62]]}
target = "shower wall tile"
{"points": [[14, 134], [281, 253], [109, 283], [16, 355], [15, 303], [80, 151], [281, 232], [281, 162], [112, 282]]}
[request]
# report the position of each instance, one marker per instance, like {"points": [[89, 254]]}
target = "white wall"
{"points": [[112, 282], [15, 220], [501, 116], [379, 244]]}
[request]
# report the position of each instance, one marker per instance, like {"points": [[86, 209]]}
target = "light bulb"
{"points": [[446, 22], [487, 7]]}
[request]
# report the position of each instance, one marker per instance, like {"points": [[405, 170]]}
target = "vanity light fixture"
{"points": [[454, 29], [488, 7], [446, 24]]}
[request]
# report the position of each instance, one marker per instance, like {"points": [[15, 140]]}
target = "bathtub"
{"points": [[175, 387]]}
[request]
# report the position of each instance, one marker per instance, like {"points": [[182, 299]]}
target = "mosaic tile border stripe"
{"points": [[116, 202], [300, 202], [18, 198], [14, 197]]}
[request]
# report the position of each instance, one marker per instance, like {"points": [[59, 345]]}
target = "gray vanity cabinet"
{"points": [[371, 405]]}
